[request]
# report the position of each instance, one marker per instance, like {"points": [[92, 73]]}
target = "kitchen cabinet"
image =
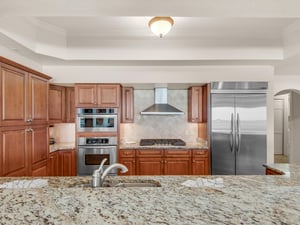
{"points": [[67, 163], [53, 164], [198, 104], [24, 150], [70, 104], [177, 162], [200, 162], [38, 145], [61, 104], [127, 158], [272, 172], [98, 95], [24, 97], [149, 162], [127, 105], [23, 120], [57, 103], [62, 163], [166, 161], [14, 154]]}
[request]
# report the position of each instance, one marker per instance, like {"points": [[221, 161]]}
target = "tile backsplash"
{"points": [[63, 132], [171, 126]]}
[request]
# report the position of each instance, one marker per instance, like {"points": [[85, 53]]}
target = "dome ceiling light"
{"points": [[160, 26]]}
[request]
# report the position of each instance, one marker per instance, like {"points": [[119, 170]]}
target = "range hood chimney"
{"points": [[161, 106]]}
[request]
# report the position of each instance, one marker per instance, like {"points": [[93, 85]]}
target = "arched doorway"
{"points": [[287, 126]]}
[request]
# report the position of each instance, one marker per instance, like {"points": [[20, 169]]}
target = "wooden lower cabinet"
{"points": [[14, 154], [150, 166], [127, 158], [53, 164], [165, 161], [40, 169], [62, 163], [200, 162], [24, 151], [177, 166]]}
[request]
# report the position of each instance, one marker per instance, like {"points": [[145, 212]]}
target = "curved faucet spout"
{"points": [[123, 168]]}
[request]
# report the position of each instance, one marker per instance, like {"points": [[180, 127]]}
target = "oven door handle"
{"points": [[97, 146]]}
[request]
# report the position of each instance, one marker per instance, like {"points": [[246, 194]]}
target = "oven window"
{"points": [[105, 122], [96, 159]]}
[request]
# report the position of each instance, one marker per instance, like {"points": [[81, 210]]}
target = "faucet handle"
{"points": [[101, 165]]}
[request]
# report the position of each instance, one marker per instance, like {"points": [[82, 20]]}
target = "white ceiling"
{"points": [[205, 32]]}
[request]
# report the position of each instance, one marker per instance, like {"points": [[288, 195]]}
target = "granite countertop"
{"points": [[242, 200], [62, 146], [285, 168], [187, 146]]}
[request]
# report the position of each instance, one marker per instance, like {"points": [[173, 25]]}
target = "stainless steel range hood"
{"points": [[161, 106]]}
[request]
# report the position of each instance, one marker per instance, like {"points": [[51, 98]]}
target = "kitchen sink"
{"points": [[124, 184]]}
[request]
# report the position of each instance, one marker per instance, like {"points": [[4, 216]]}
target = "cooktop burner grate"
{"points": [[173, 142]]}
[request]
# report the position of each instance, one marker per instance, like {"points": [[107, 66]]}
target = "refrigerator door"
{"points": [[251, 143], [222, 134]]}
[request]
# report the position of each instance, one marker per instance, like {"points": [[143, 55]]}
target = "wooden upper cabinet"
{"points": [[127, 105], [61, 104], [108, 95], [197, 104], [85, 95], [56, 103], [70, 105], [101, 95], [24, 97], [13, 95], [38, 99]]}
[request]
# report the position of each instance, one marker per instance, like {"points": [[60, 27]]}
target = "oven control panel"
{"points": [[97, 141]]}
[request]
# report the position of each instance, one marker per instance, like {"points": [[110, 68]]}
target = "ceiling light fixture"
{"points": [[160, 26]]}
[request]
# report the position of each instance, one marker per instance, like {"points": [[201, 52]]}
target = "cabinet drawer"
{"points": [[127, 153], [200, 153], [178, 153], [149, 153]]}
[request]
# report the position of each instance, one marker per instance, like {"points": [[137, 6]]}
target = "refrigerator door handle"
{"points": [[238, 134], [231, 133]]}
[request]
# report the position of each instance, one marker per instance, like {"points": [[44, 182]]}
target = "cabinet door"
{"points": [[177, 166], [39, 144], [56, 104], [130, 164], [149, 166], [108, 95], [198, 104], [85, 95], [38, 100], [53, 164], [195, 104], [13, 88], [67, 162], [40, 169], [200, 166], [70, 105], [127, 105], [13, 154]]}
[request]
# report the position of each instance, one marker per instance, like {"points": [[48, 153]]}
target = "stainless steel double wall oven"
{"points": [[97, 138]]}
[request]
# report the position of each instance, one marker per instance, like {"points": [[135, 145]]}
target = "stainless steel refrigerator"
{"points": [[238, 128]]}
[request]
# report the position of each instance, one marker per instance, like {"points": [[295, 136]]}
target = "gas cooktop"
{"points": [[164, 142]]}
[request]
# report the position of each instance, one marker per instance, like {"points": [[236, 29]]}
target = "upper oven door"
{"points": [[97, 123]]}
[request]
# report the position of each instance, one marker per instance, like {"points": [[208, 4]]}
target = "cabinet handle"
{"points": [[162, 161], [28, 120]]}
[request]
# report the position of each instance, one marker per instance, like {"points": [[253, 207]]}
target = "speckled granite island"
{"points": [[241, 200]]}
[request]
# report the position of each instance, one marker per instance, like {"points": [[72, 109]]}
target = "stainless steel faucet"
{"points": [[99, 176]]}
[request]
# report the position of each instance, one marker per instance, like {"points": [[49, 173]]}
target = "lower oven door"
{"points": [[90, 157]]}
